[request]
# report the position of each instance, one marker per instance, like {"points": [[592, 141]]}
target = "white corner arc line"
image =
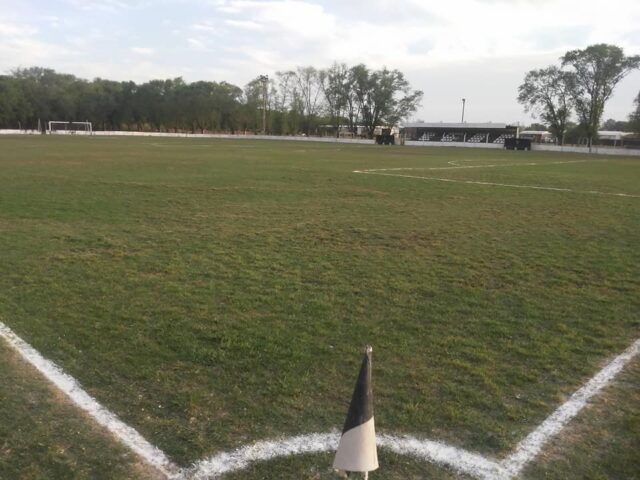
{"points": [[531, 446], [458, 459], [264, 450], [72, 389]]}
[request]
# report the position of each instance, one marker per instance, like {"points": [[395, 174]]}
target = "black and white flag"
{"points": [[357, 448]]}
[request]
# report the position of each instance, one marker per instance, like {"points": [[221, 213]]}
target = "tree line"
{"points": [[582, 84], [299, 101]]}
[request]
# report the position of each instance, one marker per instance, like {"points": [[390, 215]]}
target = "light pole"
{"points": [[265, 82], [463, 102]]}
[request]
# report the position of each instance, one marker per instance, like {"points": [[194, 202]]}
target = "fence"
{"points": [[596, 150]]}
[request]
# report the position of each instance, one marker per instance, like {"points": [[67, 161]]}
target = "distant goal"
{"points": [[70, 128]]}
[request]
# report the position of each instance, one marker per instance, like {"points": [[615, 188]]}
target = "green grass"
{"points": [[43, 437], [603, 441], [213, 293]]}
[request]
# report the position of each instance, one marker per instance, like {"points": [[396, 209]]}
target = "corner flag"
{"points": [[357, 448]]}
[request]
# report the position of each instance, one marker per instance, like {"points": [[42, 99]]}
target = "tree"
{"points": [[615, 125], [308, 92], [334, 82], [14, 107], [634, 118], [537, 127], [383, 97], [596, 71], [545, 92]]}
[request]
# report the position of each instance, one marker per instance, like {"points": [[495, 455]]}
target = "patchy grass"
{"points": [[214, 293], [43, 437], [603, 441]]}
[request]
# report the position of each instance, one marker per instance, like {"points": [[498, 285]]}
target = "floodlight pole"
{"points": [[265, 81], [463, 102]]}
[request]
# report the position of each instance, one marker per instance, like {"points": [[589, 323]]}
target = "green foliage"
{"points": [[335, 85], [596, 71], [546, 93], [299, 101], [383, 97], [615, 125], [634, 118], [33, 94]]}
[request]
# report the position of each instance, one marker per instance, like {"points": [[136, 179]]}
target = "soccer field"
{"points": [[217, 293]]}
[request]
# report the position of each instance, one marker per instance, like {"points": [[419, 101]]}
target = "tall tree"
{"points": [[334, 82], [545, 92], [596, 71], [14, 106], [634, 118], [615, 125], [309, 95], [383, 96]]}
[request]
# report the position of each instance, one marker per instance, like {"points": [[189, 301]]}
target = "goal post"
{"points": [[70, 128]]}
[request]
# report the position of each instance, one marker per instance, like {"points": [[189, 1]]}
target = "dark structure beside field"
{"points": [[460, 132]]}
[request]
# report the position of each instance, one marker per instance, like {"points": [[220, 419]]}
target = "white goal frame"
{"points": [[70, 128]]}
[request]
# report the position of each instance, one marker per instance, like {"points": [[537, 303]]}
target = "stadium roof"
{"points": [[612, 135], [454, 125]]}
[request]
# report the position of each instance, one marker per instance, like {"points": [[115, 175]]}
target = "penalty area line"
{"points": [[72, 389], [494, 184]]}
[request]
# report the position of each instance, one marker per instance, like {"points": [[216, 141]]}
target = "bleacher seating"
{"points": [[501, 138], [477, 138], [427, 137]]}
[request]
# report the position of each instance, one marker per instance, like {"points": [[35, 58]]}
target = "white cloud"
{"points": [[102, 5], [196, 44], [143, 51], [243, 24], [443, 47]]}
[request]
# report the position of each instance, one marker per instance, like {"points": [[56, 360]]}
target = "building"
{"points": [[460, 132]]}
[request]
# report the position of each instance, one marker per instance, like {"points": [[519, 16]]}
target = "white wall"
{"points": [[627, 152], [413, 143], [495, 146]]}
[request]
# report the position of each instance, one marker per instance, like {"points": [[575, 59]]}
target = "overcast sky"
{"points": [[477, 49]]}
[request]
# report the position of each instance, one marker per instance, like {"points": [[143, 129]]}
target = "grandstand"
{"points": [[460, 132]]}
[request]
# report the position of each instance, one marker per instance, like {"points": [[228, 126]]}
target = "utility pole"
{"points": [[265, 83], [463, 102]]}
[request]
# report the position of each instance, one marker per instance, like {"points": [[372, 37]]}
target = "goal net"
{"points": [[71, 128]]}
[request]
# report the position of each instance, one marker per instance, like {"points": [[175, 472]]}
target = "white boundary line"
{"points": [[458, 459], [72, 389], [531, 446], [431, 451], [382, 171]]}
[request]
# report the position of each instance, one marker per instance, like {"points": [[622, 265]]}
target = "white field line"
{"points": [[529, 448], [492, 184], [72, 389], [435, 452], [459, 167], [261, 451], [458, 459], [521, 164]]}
